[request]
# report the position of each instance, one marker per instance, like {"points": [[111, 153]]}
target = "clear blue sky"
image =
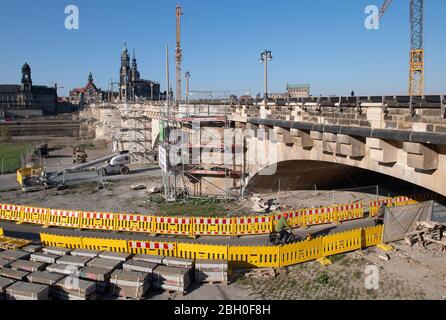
{"points": [[321, 42]]}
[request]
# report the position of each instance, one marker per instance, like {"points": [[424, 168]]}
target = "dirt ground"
{"points": [[410, 274]]}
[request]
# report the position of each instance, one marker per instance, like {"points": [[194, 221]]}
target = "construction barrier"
{"points": [[237, 256], [64, 218], [10, 212], [98, 221], [351, 211], [374, 205], [213, 226], [176, 226], [134, 223], [35, 215], [192, 227], [1, 232], [252, 225]]}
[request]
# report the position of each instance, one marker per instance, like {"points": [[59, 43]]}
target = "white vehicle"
{"points": [[116, 165]]}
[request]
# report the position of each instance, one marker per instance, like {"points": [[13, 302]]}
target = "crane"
{"points": [[416, 61], [178, 55]]}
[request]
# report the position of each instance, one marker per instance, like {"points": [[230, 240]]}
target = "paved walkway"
{"points": [[31, 232]]}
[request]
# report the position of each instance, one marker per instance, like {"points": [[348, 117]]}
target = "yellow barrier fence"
{"points": [[35, 215], [1, 232], [64, 218], [134, 223], [237, 256], [213, 226], [189, 226], [253, 225], [175, 226], [10, 212], [98, 221]]}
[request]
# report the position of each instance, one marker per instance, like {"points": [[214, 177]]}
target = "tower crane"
{"points": [[416, 61], [178, 55]]}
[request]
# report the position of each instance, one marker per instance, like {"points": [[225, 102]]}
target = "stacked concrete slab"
{"points": [[140, 266], [129, 284], [73, 288], [57, 251], [73, 261], [14, 255], [29, 266], [44, 257], [27, 291], [101, 277], [104, 263], [211, 271], [171, 278], [4, 283]]}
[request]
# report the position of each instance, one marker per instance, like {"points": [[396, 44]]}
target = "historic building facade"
{"points": [[27, 99], [298, 90], [131, 86], [88, 94]]}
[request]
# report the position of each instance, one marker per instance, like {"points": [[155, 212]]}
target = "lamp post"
{"points": [[266, 56], [187, 75]]}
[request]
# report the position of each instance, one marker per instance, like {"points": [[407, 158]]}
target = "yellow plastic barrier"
{"points": [[116, 245], [253, 225], [249, 257], [1, 232], [345, 212], [238, 256], [201, 251], [134, 223], [300, 252], [35, 215], [213, 226], [341, 242], [98, 221], [152, 247], [10, 212], [176, 226], [61, 241], [374, 205], [64, 218]]}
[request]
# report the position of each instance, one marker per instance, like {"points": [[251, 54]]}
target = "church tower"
{"points": [[124, 78], [27, 82]]}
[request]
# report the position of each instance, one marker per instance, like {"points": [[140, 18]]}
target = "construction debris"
{"points": [[73, 261], [117, 256], [211, 271], [264, 206], [138, 187], [44, 257], [263, 273], [14, 255], [140, 266], [154, 190], [171, 279], [27, 291], [57, 251], [73, 288], [427, 232], [129, 284], [104, 263], [384, 257], [30, 266]]}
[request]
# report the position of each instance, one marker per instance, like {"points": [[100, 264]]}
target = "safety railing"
{"points": [[193, 226], [237, 256]]}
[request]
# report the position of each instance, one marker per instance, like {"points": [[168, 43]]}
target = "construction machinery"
{"points": [[416, 61], [79, 155], [178, 55]]}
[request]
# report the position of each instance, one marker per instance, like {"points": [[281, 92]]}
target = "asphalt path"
{"points": [[31, 232]]}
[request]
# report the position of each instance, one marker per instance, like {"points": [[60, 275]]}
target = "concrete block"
{"points": [[316, 135], [382, 151], [421, 157], [330, 137]]}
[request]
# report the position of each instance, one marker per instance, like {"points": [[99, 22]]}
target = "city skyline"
{"points": [[327, 47]]}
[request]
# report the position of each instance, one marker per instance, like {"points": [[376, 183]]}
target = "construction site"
{"points": [[216, 195]]}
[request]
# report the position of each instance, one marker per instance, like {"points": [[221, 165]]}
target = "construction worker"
{"points": [[282, 226]]}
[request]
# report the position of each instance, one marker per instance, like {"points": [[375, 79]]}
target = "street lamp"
{"points": [[264, 58], [187, 75]]}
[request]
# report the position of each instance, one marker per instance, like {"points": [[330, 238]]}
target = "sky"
{"points": [[320, 42]]}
